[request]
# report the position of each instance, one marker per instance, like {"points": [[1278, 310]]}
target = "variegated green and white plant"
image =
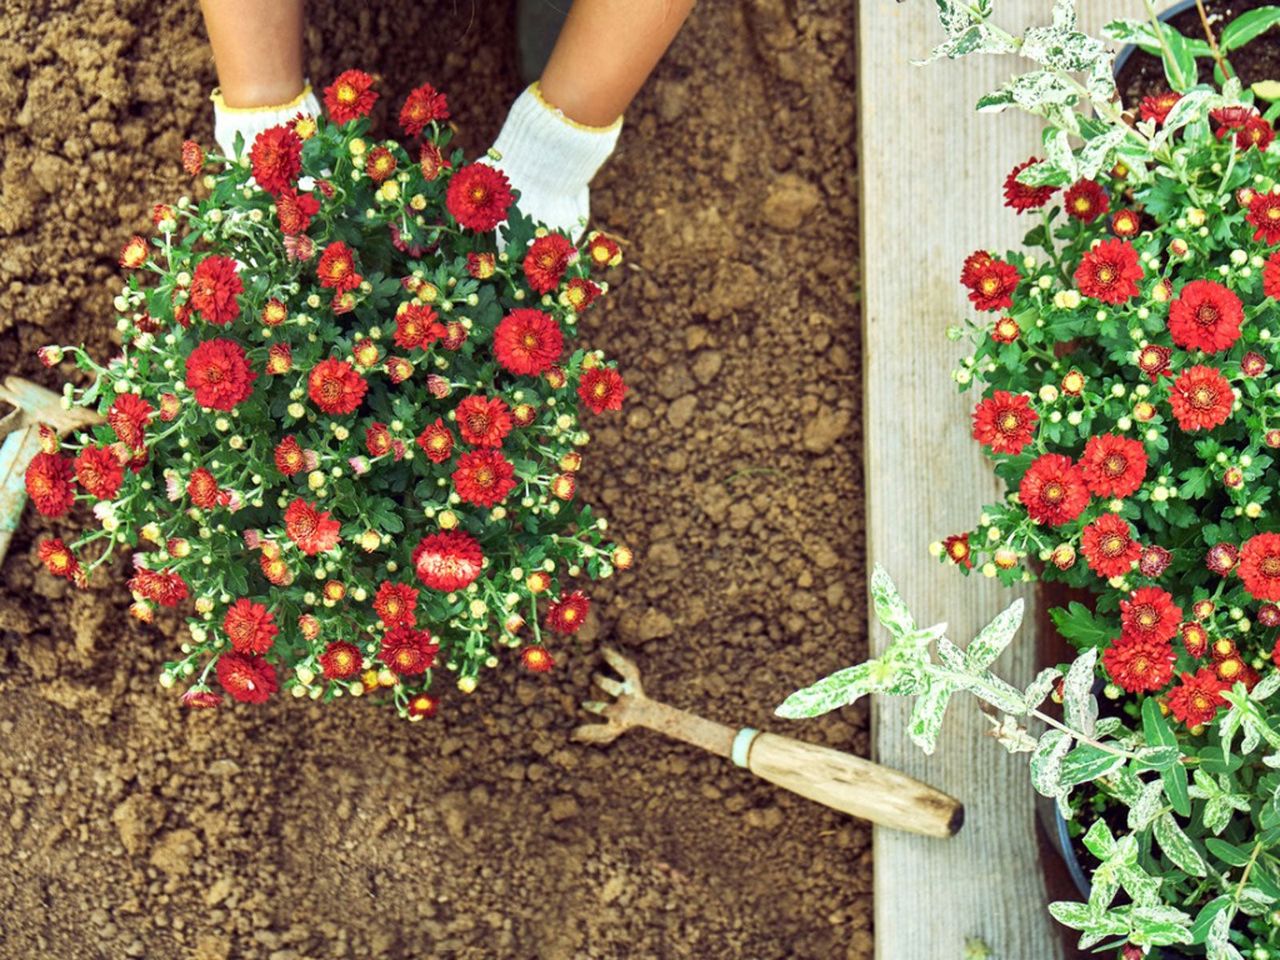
{"points": [[1190, 854]]}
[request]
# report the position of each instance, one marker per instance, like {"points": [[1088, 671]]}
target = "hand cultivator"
{"points": [[33, 406], [837, 780]]}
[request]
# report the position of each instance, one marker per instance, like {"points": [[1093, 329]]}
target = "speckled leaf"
{"points": [[978, 38], [1098, 153], [1046, 763], [1040, 688], [891, 609], [1087, 763], [1150, 802], [926, 717], [1177, 846], [986, 647], [830, 693], [1079, 704], [1218, 942]]}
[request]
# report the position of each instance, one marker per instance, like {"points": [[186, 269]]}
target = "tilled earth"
{"points": [[290, 831]]}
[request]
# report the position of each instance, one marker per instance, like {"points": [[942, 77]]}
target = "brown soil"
{"points": [[292, 832], [1143, 73]]}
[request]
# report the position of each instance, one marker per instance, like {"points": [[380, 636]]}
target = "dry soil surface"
{"points": [[291, 831]]}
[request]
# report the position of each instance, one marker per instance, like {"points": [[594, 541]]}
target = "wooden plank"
{"points": [[932, 171]]}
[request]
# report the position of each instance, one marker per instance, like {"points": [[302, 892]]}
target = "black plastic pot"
{"points": [[1127, 51]]}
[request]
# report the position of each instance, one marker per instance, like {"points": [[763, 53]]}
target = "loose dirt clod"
{"points": [[289, 831]]}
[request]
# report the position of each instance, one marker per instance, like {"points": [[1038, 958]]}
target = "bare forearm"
{"points": [[605, 53], [257, 48]]}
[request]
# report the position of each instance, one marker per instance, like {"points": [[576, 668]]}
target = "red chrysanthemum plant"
{"points": [[344, 429], [1123, 364]]}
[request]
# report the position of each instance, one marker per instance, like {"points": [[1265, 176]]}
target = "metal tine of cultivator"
{"points": [[619, 712]]}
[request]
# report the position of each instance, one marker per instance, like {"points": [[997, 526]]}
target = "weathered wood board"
{"points": [[932, 171]]}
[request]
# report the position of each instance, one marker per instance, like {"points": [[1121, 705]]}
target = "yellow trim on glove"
{"points": [[220, 104], [536, 90]]}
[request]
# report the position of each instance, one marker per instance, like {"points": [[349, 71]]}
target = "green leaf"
{"points": [[1179, 61], [1248, 26], [1268, 90], [1087, 763], [1078, 624], [1227, 852], [1177, 846], [1158, 733], [1206, 916]]}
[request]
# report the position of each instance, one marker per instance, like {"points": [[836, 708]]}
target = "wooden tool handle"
{"points": [[854, 786]]}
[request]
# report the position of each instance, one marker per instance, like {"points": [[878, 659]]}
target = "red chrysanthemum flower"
{"points": [[99, 471], [337, 268], [214, 288], [1112, 465], [1021, 197], [203, 489], [527, 342], [436, 441], [481, 266], [537, 659], [134, 253], [603, 251], [192, 157], [1004, 422], [432, 161], [201, 698], [1221, 559], [1157, 107], [276, 158], [340, 660], [547, 260], [424, 105], [58, 559], [250, 627], [1126, 224], [1264, 216], [580, 293], [422, 706], [479, 197], [1139, 665], [1086, 200], [129, 416], [164, 587], [448, 561], [394, 604], [417, 327], [1108, 545], [1195, 639], [1005, 330], [1271, 276], [311, 529], [1150, 614], [991, 282], [1206, 316], [1256, 132], [483, 477], [378, 439], [1196, 700], [335, 387], [289, 456], [248, 679], [1201, 399], [279, 359], [350, 97], [958, 551], [407, 651], [295, 210], [1260, 566], [379, 164], [601, 389], [48, 480], [218, 372], [1053, 490], [1153, 360], [483, 421], [274, 568], [1109, 272], [567, 614]]}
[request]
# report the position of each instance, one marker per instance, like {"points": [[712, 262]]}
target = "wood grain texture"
{"points": [[854, 786], [932, 171]]}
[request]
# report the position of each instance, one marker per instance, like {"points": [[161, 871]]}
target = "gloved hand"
{"points": [[551, 159], [251, 121]]}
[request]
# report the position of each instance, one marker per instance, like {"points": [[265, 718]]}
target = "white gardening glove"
{"points": [[551, 159], [251, 121]]}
